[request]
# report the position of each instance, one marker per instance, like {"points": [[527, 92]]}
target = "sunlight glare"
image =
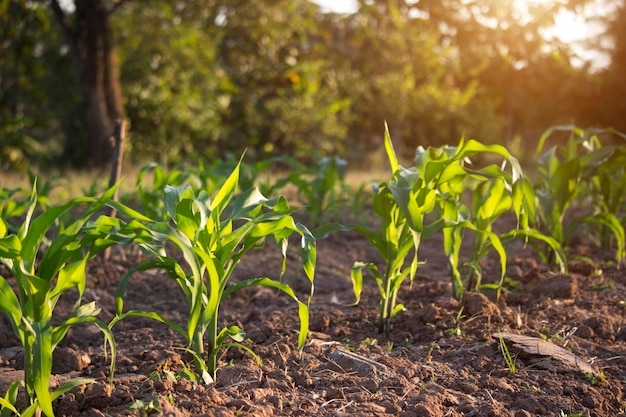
{"points": [[569, 27]]}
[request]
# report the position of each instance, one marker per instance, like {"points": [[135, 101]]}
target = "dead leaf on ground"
{"points": [[540, 347]]}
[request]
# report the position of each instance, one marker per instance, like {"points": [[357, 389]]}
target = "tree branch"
{"points": [[63, 21]]}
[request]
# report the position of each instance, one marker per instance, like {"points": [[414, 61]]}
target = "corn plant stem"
{"points": [[394, 298], [475, 278], [212, 359], [386, 306], [198, 348]]}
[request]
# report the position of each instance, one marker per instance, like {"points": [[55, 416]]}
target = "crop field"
{"points": [[458, 285]]}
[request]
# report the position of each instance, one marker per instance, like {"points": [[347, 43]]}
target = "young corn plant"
{"points": [[494, 191], [150, 192], [402, 204], [582, 173], [608, 190], [319, 188], [14, 203], [213, 235], [605, 177], [39, 283]]}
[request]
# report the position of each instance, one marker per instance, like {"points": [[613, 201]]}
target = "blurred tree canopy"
{"points": [[609, 105], [208, 78]]}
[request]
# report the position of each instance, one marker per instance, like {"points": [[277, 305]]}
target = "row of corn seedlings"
{"points": [[212, 233], [431, 197], [196, 226]]}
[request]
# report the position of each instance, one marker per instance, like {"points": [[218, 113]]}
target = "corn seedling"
{"points": [[145, 408], [402, 204], [150, 193], [39, 285], [456, 321], [582, 168], [14, 203], [494, 192], [320, 188], [445, 171], [213, 234], [608, 197]]}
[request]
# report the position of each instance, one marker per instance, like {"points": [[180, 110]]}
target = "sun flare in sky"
{"points": [[569, 27]]}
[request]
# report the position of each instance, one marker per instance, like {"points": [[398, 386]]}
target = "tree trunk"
{"points": [[95, 58]]}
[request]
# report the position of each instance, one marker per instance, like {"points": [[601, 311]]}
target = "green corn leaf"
{"points": [[535, 235], [611, 221], [149, 315], [63, 248], [445, 172], [308, 252], [249, 200], [190, 218], [217, 280], [9, 400], [281, 227], [7, 408], [391, 153], [41, 367], [10, 304], [57, 253], [490, 172], [82, 312], [373, 237], [233, 332], [303, 309], [32, 410], [497, 201], [472, 147], [397, 309], [33, 236], [70, 385], [171, 266], [35, 290], [172, 196], [491, 240], [325, 230], [102, 201], [563, 128], [10, 247], [233, 245], [226, 192], [357, 278], [256, 357], [32, 203], [75, 319], [524, 203], [592, 161], [128, 212], [73, 275], [499, 247]]}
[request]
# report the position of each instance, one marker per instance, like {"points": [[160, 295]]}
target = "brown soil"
{"points": [[438, 360]]}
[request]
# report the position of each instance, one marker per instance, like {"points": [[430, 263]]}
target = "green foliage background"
{"points": [[206, 79]]}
